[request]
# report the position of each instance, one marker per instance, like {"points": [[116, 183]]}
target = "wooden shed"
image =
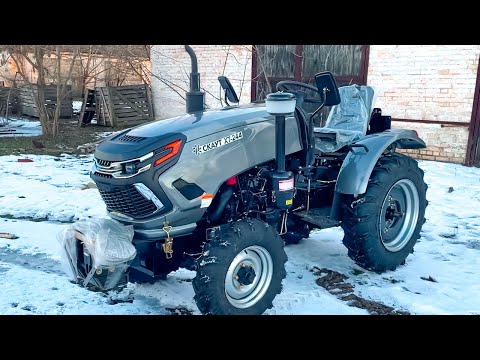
{"points": [[28, 106]]}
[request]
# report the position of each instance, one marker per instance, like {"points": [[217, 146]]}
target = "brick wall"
{"points": [[427, 82], [171, 65]]}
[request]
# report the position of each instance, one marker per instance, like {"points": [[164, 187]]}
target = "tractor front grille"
{"points": [[128, 201], [108, 176], [105, 163]]}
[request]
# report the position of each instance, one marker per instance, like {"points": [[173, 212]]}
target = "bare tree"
{"points": [[32, 65], [92, 65]]}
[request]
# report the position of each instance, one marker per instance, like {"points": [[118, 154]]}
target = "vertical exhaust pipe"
{"points": [[195, 98]]}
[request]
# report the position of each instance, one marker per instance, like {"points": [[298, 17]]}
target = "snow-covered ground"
{"points": [[36, 198], [17, 126]]}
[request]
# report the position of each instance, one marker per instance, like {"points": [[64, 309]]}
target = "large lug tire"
{"points": [[382, 226], [241, 269]]}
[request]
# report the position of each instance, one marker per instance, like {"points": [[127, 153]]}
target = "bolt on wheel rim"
{"points": [[399, 214], [248, 277]]}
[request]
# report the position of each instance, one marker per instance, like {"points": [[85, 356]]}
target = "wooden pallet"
{"points": [[123, 105], [29, 106], [88, 108]]}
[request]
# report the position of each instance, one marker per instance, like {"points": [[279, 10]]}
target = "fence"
{"points": [[28, 106], [123, 105]]}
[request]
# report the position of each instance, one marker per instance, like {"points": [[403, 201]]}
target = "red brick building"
{"points": [[431, 88]]}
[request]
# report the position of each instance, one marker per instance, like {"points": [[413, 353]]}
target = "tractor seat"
{"points": [[348, 121]]}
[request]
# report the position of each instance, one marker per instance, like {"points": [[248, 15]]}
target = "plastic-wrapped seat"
{"points": [[348, 121]]}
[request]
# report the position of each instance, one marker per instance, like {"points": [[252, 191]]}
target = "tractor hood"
{"points": [[140, 140]]}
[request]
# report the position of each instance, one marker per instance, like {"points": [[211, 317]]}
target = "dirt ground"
{"points": [[335, 283], [70, 137]]}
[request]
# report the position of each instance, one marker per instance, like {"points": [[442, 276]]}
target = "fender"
{"points": [[364, 154]]}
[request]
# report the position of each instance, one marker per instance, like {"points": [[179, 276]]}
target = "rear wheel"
{"points": [[241, 269], [382, 226]]}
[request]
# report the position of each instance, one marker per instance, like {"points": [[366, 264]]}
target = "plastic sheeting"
{"points": [[108, 245], [349, 119]]}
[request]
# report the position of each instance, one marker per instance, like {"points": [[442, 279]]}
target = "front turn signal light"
{"points": [[169, 151]]}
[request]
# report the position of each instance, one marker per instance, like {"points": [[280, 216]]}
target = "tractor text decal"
{"points": [[200, 149]]}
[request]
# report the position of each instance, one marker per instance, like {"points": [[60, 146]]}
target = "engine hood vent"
{"points": [[130, 138]]}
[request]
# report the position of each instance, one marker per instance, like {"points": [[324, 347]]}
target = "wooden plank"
{"points": [[130, 92], [123, 113], [102, 106], [98, 101], [82, 111], [126, 106], [101, 103], [133, 98], [106, 107], [142, 99], [106, 110], [132, 118], [141, 96], [149, 102], [131, 114], [132, 122], [142, 108], [110, 107], [129, 87]]}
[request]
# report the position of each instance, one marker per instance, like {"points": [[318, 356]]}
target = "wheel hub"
{"points": [[246, 275], [393, 214], [398, 215]]}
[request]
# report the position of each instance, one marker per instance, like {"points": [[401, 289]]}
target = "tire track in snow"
{"points": [[42, 262], [39, 261]]}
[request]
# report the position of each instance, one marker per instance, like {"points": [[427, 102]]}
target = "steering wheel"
{"points": [[286, 84]]}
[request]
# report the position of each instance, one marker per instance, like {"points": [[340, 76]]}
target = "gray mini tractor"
{"points": [[222, 191]]}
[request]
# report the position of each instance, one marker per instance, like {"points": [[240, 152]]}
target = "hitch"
{"points": [[168, 245]]}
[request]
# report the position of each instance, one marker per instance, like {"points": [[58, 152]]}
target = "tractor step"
{"points": [[320, 217]]}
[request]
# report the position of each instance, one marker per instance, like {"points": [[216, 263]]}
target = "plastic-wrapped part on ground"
{"points": [[97, 252], [348, 121]]}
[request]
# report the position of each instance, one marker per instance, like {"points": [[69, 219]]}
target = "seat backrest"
{"points": [[353, 112]]}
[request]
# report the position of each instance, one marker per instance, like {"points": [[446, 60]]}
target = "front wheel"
{"points": [[382, 226], [241, 269]]}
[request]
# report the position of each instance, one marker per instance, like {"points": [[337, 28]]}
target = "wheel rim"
{"points": [[248, 277], [399, 214]]}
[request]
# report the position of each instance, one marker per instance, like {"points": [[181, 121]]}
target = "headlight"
{"points": [[130, 168]]}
